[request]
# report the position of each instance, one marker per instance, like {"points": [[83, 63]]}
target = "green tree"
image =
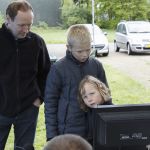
{"points": [[82, 3], [75, 15], [108, 13]]}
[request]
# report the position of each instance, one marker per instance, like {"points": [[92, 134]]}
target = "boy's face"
{"points": [[81, 52], [92, 96]]}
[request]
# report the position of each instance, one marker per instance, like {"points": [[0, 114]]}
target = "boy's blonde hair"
{"points": [[78, 34], [101, 87]]}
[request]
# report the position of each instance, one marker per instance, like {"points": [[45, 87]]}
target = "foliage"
{"points": [[42, 24], [67, 12], [75, 15], [1, 18], [82, 3], [109, 13]]}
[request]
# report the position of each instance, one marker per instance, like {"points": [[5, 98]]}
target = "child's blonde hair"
{"points": [[77, 34], [101, 87]]}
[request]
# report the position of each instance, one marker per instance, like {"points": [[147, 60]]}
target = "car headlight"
{"points": [[135, 41]]}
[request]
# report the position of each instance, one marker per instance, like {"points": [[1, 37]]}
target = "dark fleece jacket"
{"points": [[24, 64]]}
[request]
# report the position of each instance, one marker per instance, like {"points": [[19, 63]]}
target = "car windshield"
{"points": [[139, 27]]}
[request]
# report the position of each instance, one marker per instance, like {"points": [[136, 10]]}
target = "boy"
{"points": [[62, 111]]}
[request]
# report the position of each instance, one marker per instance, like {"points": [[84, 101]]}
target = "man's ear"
{"points": [[8, 19]]}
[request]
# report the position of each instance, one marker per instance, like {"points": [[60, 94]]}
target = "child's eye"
{"points": [[88, 50], [92, 93], [79, 52]]}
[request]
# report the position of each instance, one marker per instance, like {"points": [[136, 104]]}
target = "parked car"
{"points": [[133, 36], [100, 42]]}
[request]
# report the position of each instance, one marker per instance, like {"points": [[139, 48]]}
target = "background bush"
{"points": [[75, 15], [1, 18], [42, 24]]}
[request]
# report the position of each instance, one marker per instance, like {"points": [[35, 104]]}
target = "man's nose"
{"points": [[25, 28]]}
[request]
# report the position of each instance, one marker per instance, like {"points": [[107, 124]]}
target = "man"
{"points": [[24, 64]]}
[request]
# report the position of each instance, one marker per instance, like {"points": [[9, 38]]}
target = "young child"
{"points": [[62, 111], [92, 92]]}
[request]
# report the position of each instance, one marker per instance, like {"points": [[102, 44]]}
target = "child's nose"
{"points": [[89, 99], [85, 54]]}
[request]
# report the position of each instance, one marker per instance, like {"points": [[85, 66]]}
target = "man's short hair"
{"points": [[17, 5], [68, 142]]}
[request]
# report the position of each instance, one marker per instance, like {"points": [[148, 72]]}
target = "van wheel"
{"points": [[106, 54], [129, 49]]}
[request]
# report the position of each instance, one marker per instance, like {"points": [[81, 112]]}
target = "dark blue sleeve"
{"points": [[43, 66], [51, 99]]}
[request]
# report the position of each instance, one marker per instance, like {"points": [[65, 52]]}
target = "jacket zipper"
{"points": [[17, 77]]}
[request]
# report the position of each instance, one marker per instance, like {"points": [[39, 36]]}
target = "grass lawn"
{"points": [[124, 89], [56, 35], [53, 35]]}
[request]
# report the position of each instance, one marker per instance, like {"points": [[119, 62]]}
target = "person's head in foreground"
{"points": [[19, 18], [79, 42], [92, 92], [67, 142]]}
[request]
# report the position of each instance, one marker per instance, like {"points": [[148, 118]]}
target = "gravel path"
{"points": [[136, 66]]}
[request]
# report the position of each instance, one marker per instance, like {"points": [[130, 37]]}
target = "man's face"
{"points": [[81, 51], [21, 24]]}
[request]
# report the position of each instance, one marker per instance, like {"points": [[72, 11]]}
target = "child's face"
{"points": [[81, 51], [92, 96]]}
